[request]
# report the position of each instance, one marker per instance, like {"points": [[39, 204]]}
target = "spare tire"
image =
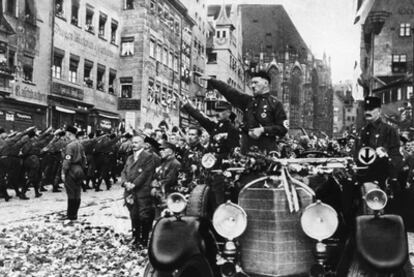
{"points": [[199, 202]]}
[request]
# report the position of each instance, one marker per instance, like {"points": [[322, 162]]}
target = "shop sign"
{"points": [[67, 91], [23, 117], [129, 104], [29, 93], [9, 116], [106, 124]]}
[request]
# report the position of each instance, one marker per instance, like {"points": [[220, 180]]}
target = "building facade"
{"points": [[302, 83], [386, 56], [344, 109], [25, 63], [85, 64]]}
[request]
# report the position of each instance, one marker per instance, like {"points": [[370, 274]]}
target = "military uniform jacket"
{"points": [[380, 134], [224, 146], [262, 110], [167, 173], [74, 160], [139, 173]]}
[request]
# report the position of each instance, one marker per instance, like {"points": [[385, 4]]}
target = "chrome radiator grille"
{"points": [[274, 243]]}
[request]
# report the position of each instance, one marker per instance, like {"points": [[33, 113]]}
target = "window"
{"points": [[399, 63], [151, 91], [114, 28], [171, 60], [127, 46], [405, 29], [129, 4], [126, 87], [11, 59], [158, 52], [152, 48], [102, 24], [29, 13], [218, 34], [75, 13], [57, 63], [73, 68], [153, 6], [409, 91], [165, 56], [87, 76], [59, 8], [394, 95], [399, 97], [212, 58], [11, 7], [157, 92], [223, 33], [89, 19], [175, 63], [112, 78], [100, 77], [28, 68]]}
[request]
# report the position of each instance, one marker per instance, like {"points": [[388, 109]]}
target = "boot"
{"points": [[76, 205], [71, 209], [146, 229], [42, 188]]}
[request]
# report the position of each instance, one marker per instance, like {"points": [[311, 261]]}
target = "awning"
{"points": [[64, 110], [108, 116]]}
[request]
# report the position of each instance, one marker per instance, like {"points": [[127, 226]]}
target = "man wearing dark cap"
{"points": [[73, 173], [385, 140], [166, 175], [264, 118]]}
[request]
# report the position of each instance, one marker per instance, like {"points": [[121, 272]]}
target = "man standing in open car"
{"points": [[264, 118]]}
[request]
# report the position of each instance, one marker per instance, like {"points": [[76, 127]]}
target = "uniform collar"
{"points": [[376, 123], [264, 95]]}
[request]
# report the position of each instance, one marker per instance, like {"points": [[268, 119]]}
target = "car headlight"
{"points": [[176, 202], [319, 221], [376, 199], [208, 160], [230, 220]]}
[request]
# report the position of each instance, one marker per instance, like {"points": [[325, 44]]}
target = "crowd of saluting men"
{"points": [[153, 162]]}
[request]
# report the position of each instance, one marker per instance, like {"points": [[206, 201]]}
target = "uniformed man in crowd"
{"points": [[136, 178], [3, 171], [166, 175], [73, 173], [103, 153], [385, 140], [264, 119]]}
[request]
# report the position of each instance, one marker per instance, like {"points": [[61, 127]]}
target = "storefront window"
{"points": [[126, 87], [11, 7]]}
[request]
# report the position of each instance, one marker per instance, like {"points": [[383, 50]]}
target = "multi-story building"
{"points": [[24, 63], [224, 59], [85, 63], [156, 60], [386, 56], [199, 32], [271, 42], [344, 109]]}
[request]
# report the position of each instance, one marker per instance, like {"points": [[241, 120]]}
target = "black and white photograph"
{"points": [[206, 138]]}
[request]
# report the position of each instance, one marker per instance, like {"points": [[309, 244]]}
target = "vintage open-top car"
{"points": [[280, 227]]}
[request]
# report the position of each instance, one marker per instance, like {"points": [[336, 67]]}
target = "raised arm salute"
{"points": [[264, 118]]}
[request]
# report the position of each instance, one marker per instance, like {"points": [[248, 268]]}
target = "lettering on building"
{"points": [[129, 104], [406, 11], [67, 91], [27, 92]]}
